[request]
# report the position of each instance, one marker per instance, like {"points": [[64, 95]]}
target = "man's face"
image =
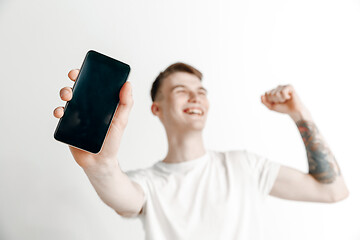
{"points": [[182, 102]]}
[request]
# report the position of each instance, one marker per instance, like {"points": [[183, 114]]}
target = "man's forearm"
{"points": [[322, 163], [115, 188], [323, 167]]}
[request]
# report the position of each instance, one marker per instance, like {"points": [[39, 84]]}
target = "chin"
{"points": [[199, 126]]}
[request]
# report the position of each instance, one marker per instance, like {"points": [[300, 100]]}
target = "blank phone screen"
{"points": [[87, 116]]}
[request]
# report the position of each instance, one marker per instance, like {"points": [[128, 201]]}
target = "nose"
{"points": [[193, 97]]}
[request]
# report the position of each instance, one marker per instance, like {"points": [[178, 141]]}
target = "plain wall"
{"points": [[243, 48]]}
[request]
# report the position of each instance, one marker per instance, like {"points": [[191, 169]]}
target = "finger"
{"points": [[287, 92], [125, 104], [73, 74], [126, 94], [267, 96], [282, 94], [66, 94], [279, 95], [58, 112], [270, 95], [276, 95], [272, 92], [266, 102]]}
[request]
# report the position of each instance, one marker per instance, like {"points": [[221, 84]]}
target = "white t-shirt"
{"points": [[216, 196]]}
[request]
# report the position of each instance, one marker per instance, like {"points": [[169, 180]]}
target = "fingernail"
{"points": [[63, 93]]}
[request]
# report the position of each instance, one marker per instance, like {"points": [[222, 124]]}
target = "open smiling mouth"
{"points": [[194, 111]]}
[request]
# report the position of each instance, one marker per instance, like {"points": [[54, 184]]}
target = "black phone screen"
{"points": [[87, 116]]}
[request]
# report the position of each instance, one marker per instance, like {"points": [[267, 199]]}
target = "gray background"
{"points": [[243, 48]]}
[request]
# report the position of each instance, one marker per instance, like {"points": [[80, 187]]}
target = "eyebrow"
{"points": [[177, 86]]}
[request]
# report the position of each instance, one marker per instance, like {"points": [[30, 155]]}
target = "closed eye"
{"points": [[181, 91]]}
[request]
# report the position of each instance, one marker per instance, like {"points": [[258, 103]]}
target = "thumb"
{"points": [[125, 104]]}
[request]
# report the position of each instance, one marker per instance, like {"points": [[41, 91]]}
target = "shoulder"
{"points": [[141, 176], [139, 173]]}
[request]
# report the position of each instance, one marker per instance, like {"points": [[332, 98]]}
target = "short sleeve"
{"points": [[139, 176], [265, 171]]}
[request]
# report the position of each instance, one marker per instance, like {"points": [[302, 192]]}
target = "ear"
{"points": [[155, 108]]}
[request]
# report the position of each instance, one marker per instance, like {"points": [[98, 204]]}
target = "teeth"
{"points": [[194, 111]]}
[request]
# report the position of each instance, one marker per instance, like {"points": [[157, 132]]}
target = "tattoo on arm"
{"points": [[322, 164]]}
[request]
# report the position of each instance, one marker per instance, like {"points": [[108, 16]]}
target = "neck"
{"points": [[184, 147]]}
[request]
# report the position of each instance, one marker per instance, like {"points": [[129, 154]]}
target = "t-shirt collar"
{"points": [[183, 166]]}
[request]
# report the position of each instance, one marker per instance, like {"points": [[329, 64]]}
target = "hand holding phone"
{"points": [[111, 144]]}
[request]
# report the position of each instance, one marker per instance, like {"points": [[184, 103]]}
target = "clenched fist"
{"points": [[284, 99]]}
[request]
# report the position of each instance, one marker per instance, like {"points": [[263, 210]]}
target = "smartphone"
{"points": [[88, 115]]}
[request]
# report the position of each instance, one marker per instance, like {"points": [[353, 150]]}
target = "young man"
{"points": [[194, 193]]}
